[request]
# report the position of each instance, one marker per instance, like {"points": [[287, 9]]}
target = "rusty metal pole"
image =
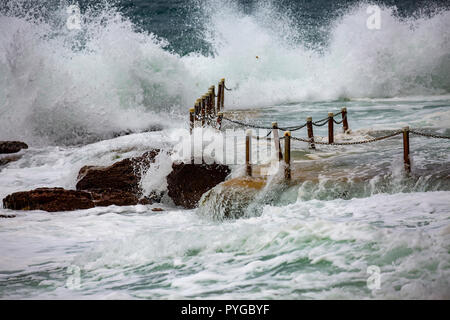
{"points": [[344, 120], [276, 141], [330, 128], [287, 155], [406, 158], [219, 96], [213, 100], [208, 108], [212, 106], [309, 126], [197, 109], [191, 119], [222, 104], [248, 145], [219, 120], [203, 107], [191, 128]]}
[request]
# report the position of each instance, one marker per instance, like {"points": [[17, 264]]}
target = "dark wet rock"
{"points": [[117, 184], [7, 216], [124, 175], [153, 197], [12, 146], [59, 199], [49, 199], [188, 182], [109, 197]]}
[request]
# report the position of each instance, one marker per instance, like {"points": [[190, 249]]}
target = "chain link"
{"points": [[322, 124], [350, 143], [339, 122], [292, 128], [262, 127], [325, 121], [266, 137], [247, 124], [262, 138], [428, 135]]}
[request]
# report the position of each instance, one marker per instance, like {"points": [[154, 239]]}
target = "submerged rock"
{"points": [[124, 175], [5, 160], [12, 146], [245, 197], [231, 199], [188, 182]]}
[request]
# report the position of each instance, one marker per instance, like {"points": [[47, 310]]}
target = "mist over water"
{"points": [[112, 76]]}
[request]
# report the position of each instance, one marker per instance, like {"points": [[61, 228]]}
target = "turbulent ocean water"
{"points": [[136, 66]]}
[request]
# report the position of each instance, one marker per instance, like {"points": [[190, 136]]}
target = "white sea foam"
{"points": [[313, 249], [109, 77]]}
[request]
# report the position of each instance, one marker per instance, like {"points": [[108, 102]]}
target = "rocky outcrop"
{"points": [[109, 197], [49, 199], [118, 185], [59, 199], [124, 175], [188, 182], [12, 146], [97, 187]]}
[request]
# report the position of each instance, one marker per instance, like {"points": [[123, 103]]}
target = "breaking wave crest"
{"points": [[60, 86]]}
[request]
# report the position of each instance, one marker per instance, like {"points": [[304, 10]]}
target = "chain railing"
{"points": [[210, 113], [249, 125], [320, 123], [206, 111], [339, 122], [429, 135], [246, 125], [396, 133]]}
